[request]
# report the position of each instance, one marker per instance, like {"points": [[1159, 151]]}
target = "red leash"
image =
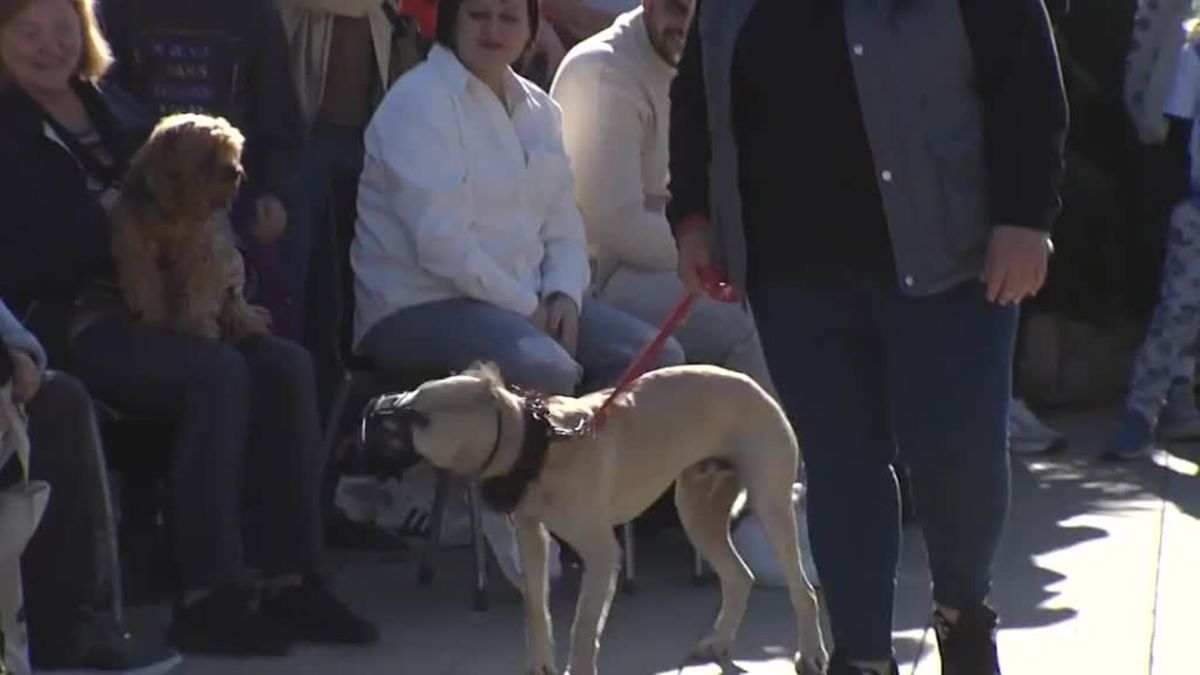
{"points": [[714, 287]]}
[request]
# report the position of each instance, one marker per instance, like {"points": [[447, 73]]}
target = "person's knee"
{"points": [[63, 398], [287, 361], [219, 372], [544, 366]]}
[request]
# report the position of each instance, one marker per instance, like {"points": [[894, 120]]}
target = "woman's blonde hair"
{"points": [[95, 57]]}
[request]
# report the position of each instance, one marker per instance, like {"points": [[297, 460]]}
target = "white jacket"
{"points": [[458, 199]]}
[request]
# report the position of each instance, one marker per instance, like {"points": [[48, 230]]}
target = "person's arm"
{"points": [[1025, 109], [691, 146], [565, 266], [417, 139], [15, 336], [278, 126], [605, 121]]}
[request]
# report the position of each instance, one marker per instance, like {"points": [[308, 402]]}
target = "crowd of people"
{"points": [[535, 184]]}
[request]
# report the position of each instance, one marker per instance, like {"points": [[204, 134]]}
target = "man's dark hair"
{"points": [[447, 21]]}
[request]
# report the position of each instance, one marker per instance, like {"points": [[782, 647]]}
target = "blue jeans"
{"points": [[451, 334], [866, 374]]}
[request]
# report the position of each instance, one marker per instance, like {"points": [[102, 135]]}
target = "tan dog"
{"points": [[708, 430], [177, 260]]}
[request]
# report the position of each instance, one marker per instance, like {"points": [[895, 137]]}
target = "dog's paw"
{"points": [[811, 665], [544, 669]]}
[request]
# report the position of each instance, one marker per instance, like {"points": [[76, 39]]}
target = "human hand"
{"points": [[693, 257], [1017, 259], [270, 219], [27, 378], [562, 321]]}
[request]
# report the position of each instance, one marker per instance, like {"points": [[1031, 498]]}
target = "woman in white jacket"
{"points": [[469, 245]]}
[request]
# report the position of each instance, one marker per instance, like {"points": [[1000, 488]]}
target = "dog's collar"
{"points": [[503, 493], [487, 463]]}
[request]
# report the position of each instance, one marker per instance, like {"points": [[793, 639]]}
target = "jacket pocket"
{"points": [[960, 165]]}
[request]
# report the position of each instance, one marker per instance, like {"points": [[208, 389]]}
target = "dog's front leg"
{"points": [[601, 556], [533, 542]]}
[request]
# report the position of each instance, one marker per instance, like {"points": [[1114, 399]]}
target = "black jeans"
{"points": [[869, 375], [245, 467], [66, 566]]}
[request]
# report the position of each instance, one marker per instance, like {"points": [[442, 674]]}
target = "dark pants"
{"points": [[67, 565], [866, 373], [245, 468]]}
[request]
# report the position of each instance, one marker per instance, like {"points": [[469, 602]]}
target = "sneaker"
{"points": [[1132, 439], [502, 540], [1027, 435], [1180, 420], [99, 644], [839, 666], [312, 614], [225, 623], [968, 647]]}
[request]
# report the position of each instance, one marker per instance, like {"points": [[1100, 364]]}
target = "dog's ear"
{"points": [[487, 371]]}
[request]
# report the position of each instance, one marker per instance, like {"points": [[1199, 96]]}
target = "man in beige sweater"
{"points": [[614, 89]]}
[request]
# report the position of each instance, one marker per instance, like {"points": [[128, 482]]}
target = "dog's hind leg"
{"points": [[533, 542], [773, 506], [601, 555], [704, 498]]}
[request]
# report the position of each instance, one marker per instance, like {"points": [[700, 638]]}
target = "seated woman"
{"points": [[245, 467], [469, 245]]}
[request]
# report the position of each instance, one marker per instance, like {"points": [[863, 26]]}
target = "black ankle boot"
{"points": [[839, 666], [968, 647]]}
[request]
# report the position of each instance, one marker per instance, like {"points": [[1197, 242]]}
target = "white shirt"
{"points": [[458, 199], [614, 90]]}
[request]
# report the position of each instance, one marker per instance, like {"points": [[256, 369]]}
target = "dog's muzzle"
{"points": [[387, 435]]}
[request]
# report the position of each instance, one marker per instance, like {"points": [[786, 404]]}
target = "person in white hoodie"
{"points": [[614, 89], [469, 245]]}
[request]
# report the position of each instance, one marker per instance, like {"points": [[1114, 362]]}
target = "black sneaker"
{"points": [[225, 623], [968, 647], [99, 644], [839, 666], [312, 614]]}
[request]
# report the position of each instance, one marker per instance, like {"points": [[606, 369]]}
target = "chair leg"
{"points": [[433, 539], [480, 599], [112, 548], [628, 574], [697, 568]]}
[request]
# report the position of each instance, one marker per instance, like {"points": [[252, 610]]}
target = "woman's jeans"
{"points": [[867, 375]]}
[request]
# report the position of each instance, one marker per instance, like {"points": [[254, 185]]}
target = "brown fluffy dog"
{"points": [[177, 261]]}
